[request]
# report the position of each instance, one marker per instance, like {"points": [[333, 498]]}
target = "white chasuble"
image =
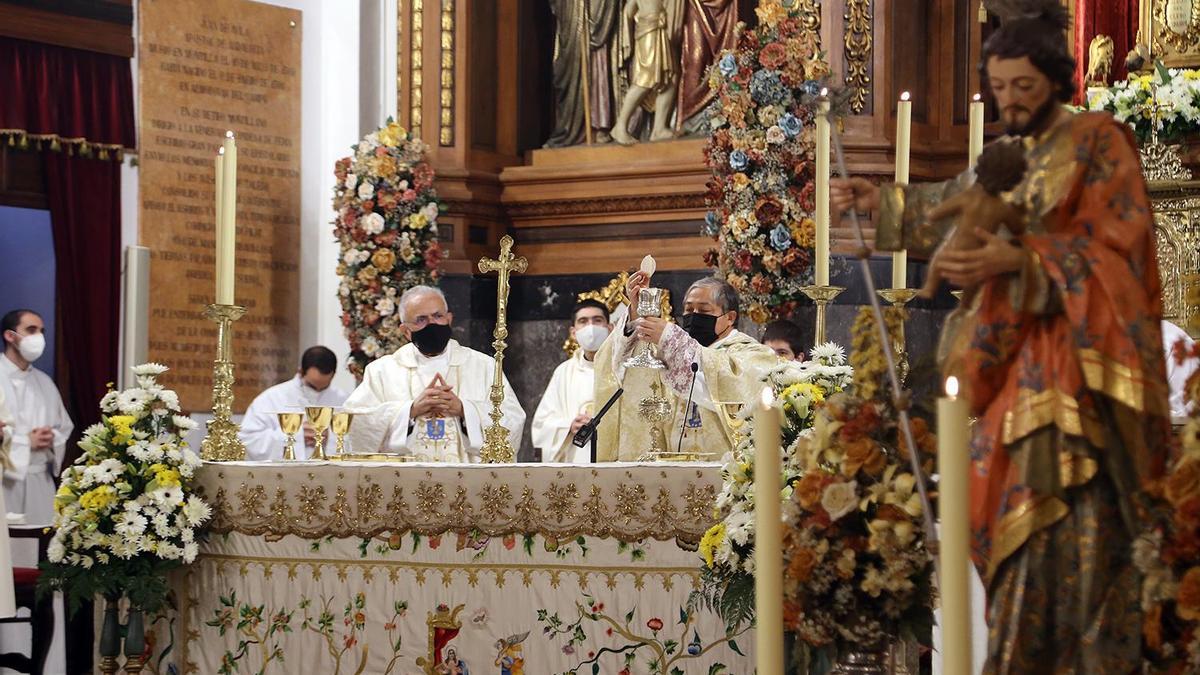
{"points": [[260, 430], [729, 371], [570, 394], [33, 401], [382, 401]]}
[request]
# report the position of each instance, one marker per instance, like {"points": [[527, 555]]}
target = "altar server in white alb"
{"points": [[311, 386], [430, 398], [568, 402], [41, 425]]}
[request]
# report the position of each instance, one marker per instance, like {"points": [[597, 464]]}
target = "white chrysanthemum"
{"points": [[143, 451], [190, 550], [183, 423], [830, 353], [132, 401], [372, 223], [108, 404], [170, 398], [385, 306], [150, 369], [196, 511], [190, 459], [56, 550], [167, 497], [124, 549], [104, 473], [370, 346]]}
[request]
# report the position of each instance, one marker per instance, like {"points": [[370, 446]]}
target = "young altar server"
{"points": [[709, 362], [567, 403], [784, 338], [41, 424], [311, 385], [430, 398]]}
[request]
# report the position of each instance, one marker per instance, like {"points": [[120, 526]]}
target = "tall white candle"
{"points": [[821, 275], [227, 225], [218, 218], [903, 148], [768, 538], [953, 430], [975, 144]]}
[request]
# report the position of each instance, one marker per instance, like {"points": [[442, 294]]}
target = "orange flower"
{"points": [[1183, 482], [863, 453], [1187, 601], [809, 489], [384, 259], [801, 566]]}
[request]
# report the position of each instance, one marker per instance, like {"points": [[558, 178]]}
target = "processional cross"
{"points": [[1159, 162], [496, 446]]}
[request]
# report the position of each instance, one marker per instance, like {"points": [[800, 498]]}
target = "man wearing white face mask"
{"points": [[568, 401], [41, 425], [311, 386]]}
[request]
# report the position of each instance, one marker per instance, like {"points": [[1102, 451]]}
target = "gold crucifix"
{"points": [[496, 446], [1155, 110]]}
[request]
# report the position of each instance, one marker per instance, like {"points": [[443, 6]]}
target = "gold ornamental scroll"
{"points": [[204, 68]]}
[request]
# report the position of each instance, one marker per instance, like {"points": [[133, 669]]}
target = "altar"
{"points": [[370, 567]]}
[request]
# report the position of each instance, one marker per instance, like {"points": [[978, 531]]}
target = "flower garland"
{"points": [[761, 194], [856, 569], [727, 547], [1131, 101], [387, 226], [125, 513]]}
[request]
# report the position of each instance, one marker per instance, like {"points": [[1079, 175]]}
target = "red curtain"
{"points": [[72, 94], [1117, 19]]}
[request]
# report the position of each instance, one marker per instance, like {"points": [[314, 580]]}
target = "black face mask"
{"points": [[702, 327], [432, 339]]}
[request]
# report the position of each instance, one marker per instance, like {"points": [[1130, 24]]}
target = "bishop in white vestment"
{"points": [[568, 402], [41, 424], [311, 386], [430, 398]]}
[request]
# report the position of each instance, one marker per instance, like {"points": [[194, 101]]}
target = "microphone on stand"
{"points": [[588, 431], [687, 409]]}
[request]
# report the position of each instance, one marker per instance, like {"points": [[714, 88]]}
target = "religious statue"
{"points": [[1060, 350], [1100, 58], [709, 28], [653, 64], [583, 73]]}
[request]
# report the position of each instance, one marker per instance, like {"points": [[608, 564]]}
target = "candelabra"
{"points": [[222, 443], [899, 297], [822, 296]]}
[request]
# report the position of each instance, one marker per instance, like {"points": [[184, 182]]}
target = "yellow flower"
{"points": [[759, 314], [711, 541], [417, 221], [167, 478], [391, 135], [770, 12], [122, 428], [99, 498], [804, 232], [63, 497], [740, 181]]}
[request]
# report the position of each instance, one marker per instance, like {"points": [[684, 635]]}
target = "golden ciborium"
{"points": [[319, 417], [341, 427], [290, 423]]}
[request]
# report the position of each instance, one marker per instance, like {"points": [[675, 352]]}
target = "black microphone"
{"points": [[588, 431], [687, 409]]}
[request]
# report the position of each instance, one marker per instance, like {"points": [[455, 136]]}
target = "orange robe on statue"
{"points": [[1063, 366]]}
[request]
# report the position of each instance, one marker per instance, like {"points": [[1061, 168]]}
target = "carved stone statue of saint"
{"points": [[582, 60], [709, 28], [652, 63]]}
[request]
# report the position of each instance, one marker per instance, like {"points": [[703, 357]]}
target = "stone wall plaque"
{"points": [[204, 68]]}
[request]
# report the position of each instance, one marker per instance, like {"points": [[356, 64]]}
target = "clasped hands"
{"points": [[41, 438], [438, 400]]}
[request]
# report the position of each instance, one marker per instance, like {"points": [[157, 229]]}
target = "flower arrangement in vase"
{"points": [[386, 224]]}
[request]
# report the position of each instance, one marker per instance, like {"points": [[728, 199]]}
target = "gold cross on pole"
{"points": [[1155, 110], [496, 446]]}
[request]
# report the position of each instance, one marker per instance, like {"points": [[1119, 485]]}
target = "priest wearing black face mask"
{"points": [[729, 365], [430, 398]]}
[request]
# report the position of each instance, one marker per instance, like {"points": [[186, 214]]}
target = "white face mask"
{"points": [[590, 337], [31, 347]]}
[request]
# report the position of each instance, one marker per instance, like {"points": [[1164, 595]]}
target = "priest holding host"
{"points": [[429, 399], [710, 368]]}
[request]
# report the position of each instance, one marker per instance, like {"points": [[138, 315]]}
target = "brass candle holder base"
{"points": [[222, 443], [898, 298], [822, 296]]}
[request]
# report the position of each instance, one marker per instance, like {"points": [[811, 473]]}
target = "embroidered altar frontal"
{"points": [[438, 568]]}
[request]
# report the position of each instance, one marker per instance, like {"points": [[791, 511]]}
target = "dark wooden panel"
{"points": [[22, 179], [77, 32], [482, 65]]}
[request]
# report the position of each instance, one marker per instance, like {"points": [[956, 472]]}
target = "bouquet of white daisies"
{"points": [[125, 511]]}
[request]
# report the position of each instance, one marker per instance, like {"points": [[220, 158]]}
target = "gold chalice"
{"points": [[319, 417], [341, 427], [290, 422]]}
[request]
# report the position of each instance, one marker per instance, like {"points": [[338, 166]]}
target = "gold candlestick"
{"points": [[496, 446], [899, 297], [822, 296], [222, 443]]}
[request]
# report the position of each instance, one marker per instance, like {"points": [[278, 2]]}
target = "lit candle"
{"points": [[768, 538], [975, 146], [903, 146], [219, 216], [953, 428], [821, 276], [227, 224]]}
